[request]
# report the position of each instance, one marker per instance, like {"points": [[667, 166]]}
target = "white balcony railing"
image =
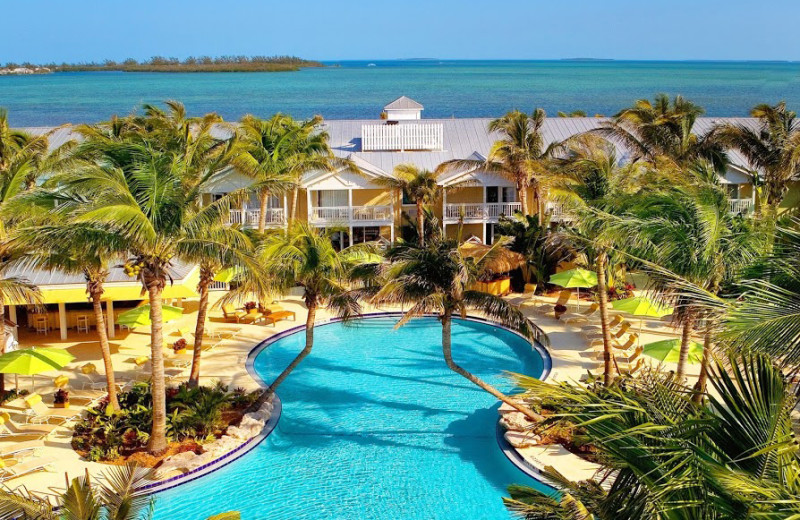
{"points": [[352, 214], [407, 136], [557, 212], [741, 206], [479, 211], [249, 217]]}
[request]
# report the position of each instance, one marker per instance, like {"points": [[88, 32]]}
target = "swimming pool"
{"points": [[374, 426]]}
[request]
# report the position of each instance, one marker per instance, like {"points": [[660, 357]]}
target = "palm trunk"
{"points": [[700, 386], [158, 433], [522, 191], [294, 206], [105, 349], [447, 351], [312, 312], [2, 341], [206, 277], [262, 216], [420, 223], [539, 208], [602, 296], [685, 342]]}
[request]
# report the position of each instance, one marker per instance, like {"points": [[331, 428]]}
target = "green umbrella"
{"points": [[669, 350], [140, 316], [227, 275], [575, 278], [32, 361], [641, 306]]}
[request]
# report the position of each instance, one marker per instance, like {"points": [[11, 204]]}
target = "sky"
{"points": [[42, 31]]}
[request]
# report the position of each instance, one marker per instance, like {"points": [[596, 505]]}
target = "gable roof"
{"points": [[403, 103]]}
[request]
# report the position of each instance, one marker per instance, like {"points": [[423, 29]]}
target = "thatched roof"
{"points": [[504, 261]]}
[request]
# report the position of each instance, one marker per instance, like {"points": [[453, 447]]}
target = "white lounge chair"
{"points": [[11, 468]]}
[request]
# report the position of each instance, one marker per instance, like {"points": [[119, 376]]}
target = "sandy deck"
{"points": [[227, 364]]}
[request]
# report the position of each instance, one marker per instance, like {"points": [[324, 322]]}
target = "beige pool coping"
{"points": [[227, 364]]}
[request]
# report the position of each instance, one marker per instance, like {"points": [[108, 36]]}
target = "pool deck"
{"points": [[227, 363]]}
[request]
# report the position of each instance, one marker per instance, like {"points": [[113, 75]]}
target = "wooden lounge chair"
{"points": [[275, 317], [232, 314], [563, 299], [10, 468], [579, 317], [9, 430], [39, 412], [252, 317]]}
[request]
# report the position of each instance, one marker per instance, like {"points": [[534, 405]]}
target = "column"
{"points": [[308, 206], [350, 214], [12, 316], [110, 319], [62, 320], [444, 211], [285, 210]]}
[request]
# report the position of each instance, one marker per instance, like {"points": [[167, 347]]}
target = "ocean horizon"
{"points": [[358, 89]]}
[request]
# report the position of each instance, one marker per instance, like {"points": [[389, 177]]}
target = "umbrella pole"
{"points": [[578, 303]]}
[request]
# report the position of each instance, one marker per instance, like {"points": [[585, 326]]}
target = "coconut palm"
{"points": [[147, 188], [521, 155], [439, 278], [667, 457], [773, 148], [116, 496], [664, 129], [305, 256], [419, 184], [695, 250]]}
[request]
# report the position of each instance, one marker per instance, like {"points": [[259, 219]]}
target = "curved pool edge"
{"points": [[272, 423]]}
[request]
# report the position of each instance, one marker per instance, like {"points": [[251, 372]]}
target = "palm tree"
{"points": [[419, 184], [773, 148], [667, 457], [520, 155], [693, 249], [438, 278], [148, 190], [78, 249], [664, 129], [305, 256], [115, 496]]}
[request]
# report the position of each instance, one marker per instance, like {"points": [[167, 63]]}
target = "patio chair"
{"points": [[275, 313], [232, 314], [579, 317], [10, 469], [39, 412], [563, 299], [624, 362], [93, 379], [11, 431]]}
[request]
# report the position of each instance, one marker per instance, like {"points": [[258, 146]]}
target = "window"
{"points": [[509, 195], [407, 199], [366, 234], [733, 191], [492, 194], [331, 198]]}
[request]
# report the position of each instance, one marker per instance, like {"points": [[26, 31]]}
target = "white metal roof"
{"points": [[404, 103]]}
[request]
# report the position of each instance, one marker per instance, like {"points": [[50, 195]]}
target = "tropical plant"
{"points": [[773, 148], [667, 457], [144, 183], [543, 250], [693, 248], [305, 256], [439, 278], [418, 184], [520, 155], [117, 496]]}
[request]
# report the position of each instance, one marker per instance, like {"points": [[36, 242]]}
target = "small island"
{"points": [[162, 64]]}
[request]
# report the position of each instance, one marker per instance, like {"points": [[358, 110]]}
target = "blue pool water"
{"points": [[374, 426]]}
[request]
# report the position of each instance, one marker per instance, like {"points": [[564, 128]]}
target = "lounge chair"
{"points": [[22, 449], [594, 376], [579, 317], [232, 314], [93, 379], [252, 317], [9, 430], [275, 313], [623, 362], [39, 412], [87, 397], [617, 334], [10, 469], [563, 299], [630, 342]]}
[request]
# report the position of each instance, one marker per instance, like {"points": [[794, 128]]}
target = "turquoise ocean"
{"points": [[358, 89]]}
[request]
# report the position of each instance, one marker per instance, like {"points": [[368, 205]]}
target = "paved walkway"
{"points": [[227, 364]]}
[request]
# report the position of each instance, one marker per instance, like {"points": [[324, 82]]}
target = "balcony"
{"points": [[402, 137], [249, 217], [352, 215], [479, 212], [741, 206], [557, 212]]}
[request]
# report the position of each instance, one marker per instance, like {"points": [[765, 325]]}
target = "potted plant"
{"points": [[559, 310], [384, 115], [179, 346], [250, 306], [61, 398]]}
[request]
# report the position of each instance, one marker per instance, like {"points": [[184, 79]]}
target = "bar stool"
{"points": [[83, 323], [40, 323]]}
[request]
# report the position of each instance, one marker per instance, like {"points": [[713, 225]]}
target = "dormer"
{"points": [[403, 109]]}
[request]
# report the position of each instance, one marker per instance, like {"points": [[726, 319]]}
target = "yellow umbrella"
{"points": [[32, 361]]}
